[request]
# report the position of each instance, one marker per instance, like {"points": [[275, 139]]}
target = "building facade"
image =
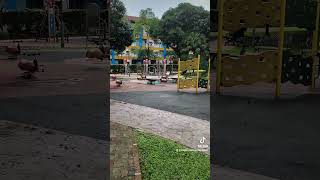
{"points": [[142, 41]]}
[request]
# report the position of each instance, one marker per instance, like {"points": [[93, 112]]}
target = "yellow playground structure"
{"points": [[269, 66], [189, 75]]}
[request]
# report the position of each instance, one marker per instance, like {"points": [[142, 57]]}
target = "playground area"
{"points": [[271, 49], [185, 76]]}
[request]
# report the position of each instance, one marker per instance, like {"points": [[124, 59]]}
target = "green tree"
{"points": [[148, 22], [186, 28], [143, 52], [121, 32], [2, 4], [154, 28]]}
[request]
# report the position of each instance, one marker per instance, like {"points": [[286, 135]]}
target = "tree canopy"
{"points": [[121, 32], [147, 21], [185, 28]]}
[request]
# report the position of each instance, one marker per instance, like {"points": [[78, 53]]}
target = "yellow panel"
{"points": [[250, 13], [249, 69], [189, 64], [188, 83]]}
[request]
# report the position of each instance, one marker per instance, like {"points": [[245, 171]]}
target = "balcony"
{"points": [[153, 48]]}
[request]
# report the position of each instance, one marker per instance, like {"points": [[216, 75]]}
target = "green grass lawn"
{"points": [[160, 160]]}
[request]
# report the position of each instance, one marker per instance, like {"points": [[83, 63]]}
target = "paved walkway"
{"points": [[183, 129], [180, 128], [58, 78], [274, 138], [33, 153]]}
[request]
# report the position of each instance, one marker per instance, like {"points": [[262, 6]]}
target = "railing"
{"points": [[153, 69]]}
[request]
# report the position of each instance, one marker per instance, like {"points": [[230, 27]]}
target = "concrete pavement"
{"points": [[34, 153], [274, 138], [183, 129]]}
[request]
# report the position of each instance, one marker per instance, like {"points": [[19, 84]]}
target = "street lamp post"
{"points": [[127, 64], [171, 61], [62, 24], [148, 55]]}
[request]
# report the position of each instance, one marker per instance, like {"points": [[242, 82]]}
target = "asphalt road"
{"points": [[277, 139], [193, 105], [84, 115]]}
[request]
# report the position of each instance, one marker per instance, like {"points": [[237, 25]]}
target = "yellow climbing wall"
{"points": [[250, 14], [249, 69], [190, 82], [189, 64]]}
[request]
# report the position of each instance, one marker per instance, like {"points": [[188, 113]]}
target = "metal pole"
{"points": [[209, 68], [171, 67], [198, 68], [62, 24], [87, 26], [178, 80], [219, 47], [281, 42], [148, 50], [49, 26], [315, 46], [165, 67]]}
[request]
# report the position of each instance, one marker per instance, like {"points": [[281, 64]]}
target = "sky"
{"points": [[159, 6]]}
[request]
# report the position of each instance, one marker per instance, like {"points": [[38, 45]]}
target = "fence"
{"points": [[153, 69]]}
